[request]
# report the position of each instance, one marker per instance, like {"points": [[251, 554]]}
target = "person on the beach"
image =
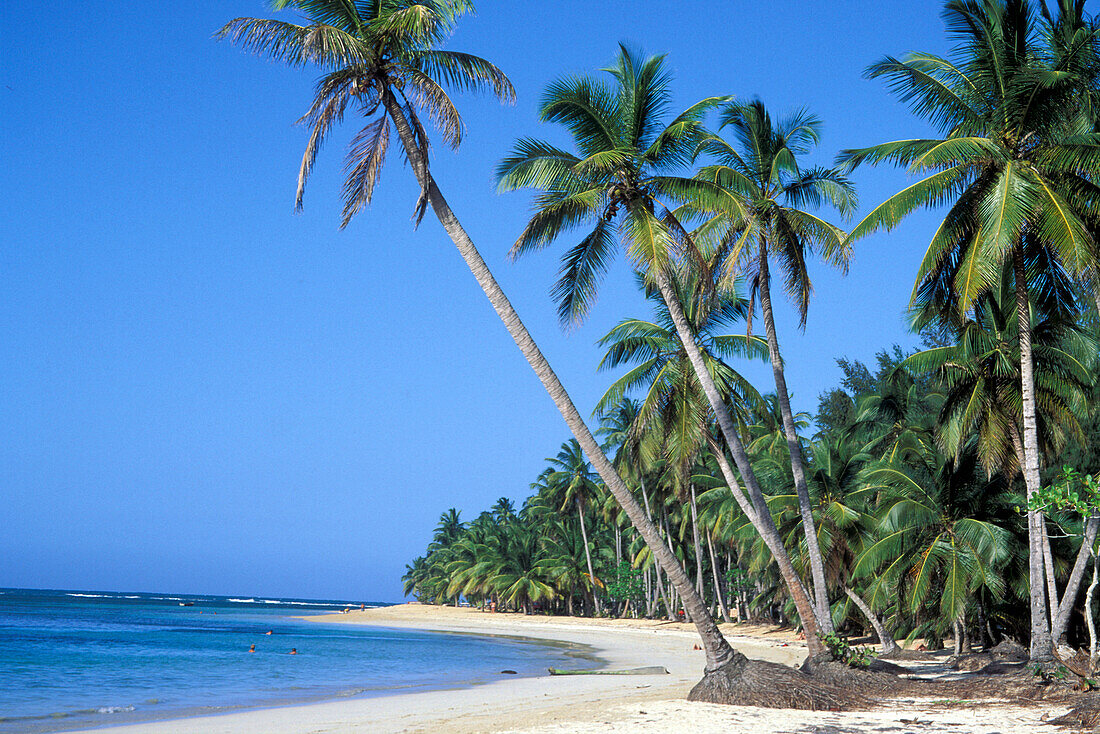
{"points": [[253, 648], [293, 651]]}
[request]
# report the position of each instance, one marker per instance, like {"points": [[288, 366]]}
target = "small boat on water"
{"points": [[187, 603]]}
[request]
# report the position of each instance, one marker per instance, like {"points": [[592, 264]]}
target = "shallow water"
{"points": [[71, 660]]}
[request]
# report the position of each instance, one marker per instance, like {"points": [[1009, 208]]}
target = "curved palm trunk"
{"points": [[889, 644], [1042, 645], [759, 514], [717, 649], [798, 469], [1073, 583], [587, 555]]}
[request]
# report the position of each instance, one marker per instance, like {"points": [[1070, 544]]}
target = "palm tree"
{"points": [[982, 399], [622, 171], [1016, 164], [448, 530], [673, 423], [384, 54], [763, 172], [570, 482], [842, 511], [929, 544]]}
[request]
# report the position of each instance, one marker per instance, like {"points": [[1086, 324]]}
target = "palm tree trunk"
{"points": [[1042, 645], [798, 469], [1052, 584], [717, 649], [698, 545], [587, 555], [718, 591], [1090, 620], [618, 544], [1073, 583], [660, 585], [668, 539], [889, 644], [761, 516]]}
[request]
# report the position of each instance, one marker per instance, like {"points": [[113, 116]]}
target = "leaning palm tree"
{"points": [[762, 170], [1016, 164], [383, 57], [621, 181]]}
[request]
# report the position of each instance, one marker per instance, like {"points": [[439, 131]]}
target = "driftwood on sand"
{"points": [[651, 670]]}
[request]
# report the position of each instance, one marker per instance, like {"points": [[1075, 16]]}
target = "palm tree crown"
{"points": [[368, 50]]}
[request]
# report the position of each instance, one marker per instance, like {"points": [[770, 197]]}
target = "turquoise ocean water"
{"points": [[77, 659]]}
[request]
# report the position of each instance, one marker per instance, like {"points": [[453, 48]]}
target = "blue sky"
{"points": [[202, 391]]}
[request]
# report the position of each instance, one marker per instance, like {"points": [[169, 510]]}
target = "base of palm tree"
{"points": [[744, 682]]}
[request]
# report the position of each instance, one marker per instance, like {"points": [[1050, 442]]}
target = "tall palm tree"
{"points": [[981, 406], [621, 178], [762, 169], [384, 54], [1017, 164]]}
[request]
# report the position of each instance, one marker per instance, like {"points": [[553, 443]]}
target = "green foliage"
{"points": [[626, 584], [1057, 674], [375, 57], [1072, 491], [855, 657]]}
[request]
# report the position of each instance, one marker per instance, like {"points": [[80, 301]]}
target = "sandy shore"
{"points": [[583, 704]]}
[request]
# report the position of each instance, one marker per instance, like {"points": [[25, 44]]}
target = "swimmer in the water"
{"points": [[268, 632], [293, 651], [253, 648]]}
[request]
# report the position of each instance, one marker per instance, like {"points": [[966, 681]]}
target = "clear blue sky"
{"points": [[202, 391]]}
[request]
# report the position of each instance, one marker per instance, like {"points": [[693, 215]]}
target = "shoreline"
{"points": [[588, 704], [508, 703]]}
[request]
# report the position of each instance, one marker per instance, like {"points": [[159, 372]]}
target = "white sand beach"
{"points": [[583, 704]]}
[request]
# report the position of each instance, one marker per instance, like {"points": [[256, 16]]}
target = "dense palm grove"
{"points": [[921, 532], [926, 497], [908, 475]]}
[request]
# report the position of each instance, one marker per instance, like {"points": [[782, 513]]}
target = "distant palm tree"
{"points": [[673, 422], [385, 54], [929, 543], [569, 482]]}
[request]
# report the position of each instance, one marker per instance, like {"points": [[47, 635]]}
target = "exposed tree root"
{"points": [[1009, 651], [1085, 715], [880, 679], [900, 653], [745, 682], [823, 683]]}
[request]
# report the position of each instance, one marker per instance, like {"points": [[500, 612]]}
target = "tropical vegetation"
{"points": [[916, 501]]}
